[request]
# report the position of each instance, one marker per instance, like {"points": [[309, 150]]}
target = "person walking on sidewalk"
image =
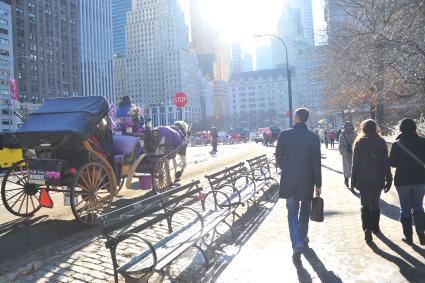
{"points": [[326, 138], [346, 141], [214, 139], [332, 137], [298, 156], [370, 174], [408, 157]]}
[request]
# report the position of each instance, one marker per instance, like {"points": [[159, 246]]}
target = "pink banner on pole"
{"points": [[14, 94]]}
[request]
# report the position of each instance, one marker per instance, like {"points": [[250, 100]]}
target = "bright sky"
{"points": [[239, 20]]}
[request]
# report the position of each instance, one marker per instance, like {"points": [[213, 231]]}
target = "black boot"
{"points": [[366, 225], [407, 230], [419, 225], [346, 183], [375, 217]]}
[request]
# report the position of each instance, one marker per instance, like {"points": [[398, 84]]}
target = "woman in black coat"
{"points": [[370, 174], [410, 179]]}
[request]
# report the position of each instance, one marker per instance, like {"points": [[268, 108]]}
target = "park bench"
{"points": [[138, 220], [261, 172], [237, 183]]}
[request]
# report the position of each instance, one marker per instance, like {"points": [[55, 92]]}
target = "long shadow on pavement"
{"points": [[324, 274], [40, 237], [409, 272], [406, 256], [247, 226]]}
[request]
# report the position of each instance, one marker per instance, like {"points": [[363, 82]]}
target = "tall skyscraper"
{"points": [[160, 62], [96, 48], [296, 30], [307, 21], [46, 44], [6, 66], [119, 19], [263, 58], [212, 53], [120, 77], [241, 61]]}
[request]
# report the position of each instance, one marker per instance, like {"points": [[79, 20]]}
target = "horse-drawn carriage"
{"points": [[76, 153]]}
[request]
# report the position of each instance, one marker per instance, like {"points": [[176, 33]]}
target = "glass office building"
{"points": [[96, 48], [119, 19]]}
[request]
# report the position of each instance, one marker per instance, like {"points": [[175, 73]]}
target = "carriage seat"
{"points": [[123, 146]]}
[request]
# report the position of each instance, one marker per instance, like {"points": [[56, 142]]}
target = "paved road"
{"points": [[51, 231]]}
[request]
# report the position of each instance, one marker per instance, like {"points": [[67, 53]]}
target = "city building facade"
{"points": [[304, 57], [120, 8], [120, 77], [213, 55], [263, 58], [258, 99], [241, 61], [207, 104], [8, 123], [160, 62], [46, 45], [96, 48], [221, 103]]}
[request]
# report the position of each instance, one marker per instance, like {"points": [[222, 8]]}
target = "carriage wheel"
{"points": [[160, 176], [91, 193], [19, 197]]}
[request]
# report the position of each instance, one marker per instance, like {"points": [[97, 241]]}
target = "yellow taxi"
{"points": [[10, 151]]}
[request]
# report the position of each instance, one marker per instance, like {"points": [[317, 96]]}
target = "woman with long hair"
{"points": [[408, 157], [370, 174]]}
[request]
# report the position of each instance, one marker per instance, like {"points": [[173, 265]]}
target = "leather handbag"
{"points": [[317, 206]]}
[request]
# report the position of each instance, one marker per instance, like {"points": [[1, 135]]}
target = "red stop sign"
{"points": [[180, 99]]}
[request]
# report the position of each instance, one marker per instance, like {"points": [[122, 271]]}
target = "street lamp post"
{"points": [[288, 72]]}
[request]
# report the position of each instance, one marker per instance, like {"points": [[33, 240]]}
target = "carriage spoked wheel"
{"points": [[161, 176], [19, 196], [92, 193]]}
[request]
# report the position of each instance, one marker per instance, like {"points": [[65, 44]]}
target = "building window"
{"points": [[4, 41], [3, 12], [19, 11], [3, 22], [4, 52], [4, 31]]}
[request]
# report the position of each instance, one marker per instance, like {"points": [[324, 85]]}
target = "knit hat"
{"points": [[407, 126], [348, 126]]}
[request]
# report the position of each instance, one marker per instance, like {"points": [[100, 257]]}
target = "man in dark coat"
{"points": [[298, 156]]}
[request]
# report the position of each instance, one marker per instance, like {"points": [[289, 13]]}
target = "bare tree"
{"points": [[376, 56]]}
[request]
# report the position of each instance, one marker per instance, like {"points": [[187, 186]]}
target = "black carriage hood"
{"points": [[63, 121]]}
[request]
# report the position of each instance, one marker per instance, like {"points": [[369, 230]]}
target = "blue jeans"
{"points": [[411, 199], [298, 217]]}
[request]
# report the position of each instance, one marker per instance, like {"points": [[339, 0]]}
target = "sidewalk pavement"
{"points": [[337, 251]]}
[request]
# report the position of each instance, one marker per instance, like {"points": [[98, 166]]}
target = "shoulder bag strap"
{"points": [[345, 138], [408, 152]]}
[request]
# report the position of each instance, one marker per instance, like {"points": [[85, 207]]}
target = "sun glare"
{"points": [[236, 20]]}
